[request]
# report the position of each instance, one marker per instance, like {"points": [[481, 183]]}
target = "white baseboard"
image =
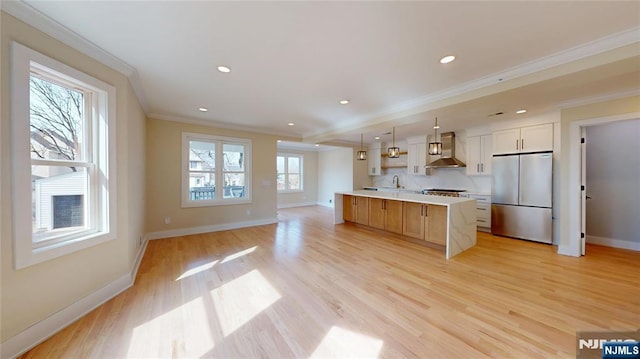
{"points": [[568, 251], [213, 228], [611, 242], [330, 205], [299, 204], [47, 327]]}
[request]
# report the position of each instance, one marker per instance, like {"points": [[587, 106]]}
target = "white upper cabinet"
{"points": [[526, 139], [374, 160], [536, 138], [479, 152], [416, 155]]}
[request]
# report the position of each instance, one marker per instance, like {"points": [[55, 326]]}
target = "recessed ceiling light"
{"points": [[291, 124], [447, 59], [344, 102], [224, 69], [203, 109], [377, 138], [279, 141], [521, 111], [317, 145]]}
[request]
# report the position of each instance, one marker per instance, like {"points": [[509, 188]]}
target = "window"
{"points": [[63, 132], [289, 167], [215, 170]]}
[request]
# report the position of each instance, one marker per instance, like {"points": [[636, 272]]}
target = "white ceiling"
{"points": [[293, 61]]}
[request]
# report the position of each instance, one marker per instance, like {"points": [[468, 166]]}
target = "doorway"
{"points": [[577, 175]]}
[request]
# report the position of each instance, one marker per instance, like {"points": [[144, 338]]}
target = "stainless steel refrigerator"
{"points": [[521, 196]]}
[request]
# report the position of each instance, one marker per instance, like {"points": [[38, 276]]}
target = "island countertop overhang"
{"points": [[410, 197]]}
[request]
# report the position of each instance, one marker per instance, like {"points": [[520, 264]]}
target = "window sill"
{"points": [[220, 202]]}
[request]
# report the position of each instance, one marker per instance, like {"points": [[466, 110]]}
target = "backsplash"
{"points": [[450, 178]]}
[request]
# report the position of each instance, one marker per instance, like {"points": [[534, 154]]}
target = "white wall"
{"points": [[33, 295], [335, 174], [613, 182]]}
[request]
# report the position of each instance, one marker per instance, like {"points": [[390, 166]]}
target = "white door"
{"points": [[583, 192]]}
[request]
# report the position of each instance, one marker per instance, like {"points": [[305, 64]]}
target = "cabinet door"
{"points": [[374, 162], [436, 224], [362, 210], [376, 212], [348, 208], [412, 155], [506, 141], [413, 220], [536, 138], [486, 152], [393, 216], [474, 155]]}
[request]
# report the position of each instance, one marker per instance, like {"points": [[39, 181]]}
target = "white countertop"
{"points": [[410, 197]]}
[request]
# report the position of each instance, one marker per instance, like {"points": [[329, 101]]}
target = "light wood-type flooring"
{"points": [[307, 288]]}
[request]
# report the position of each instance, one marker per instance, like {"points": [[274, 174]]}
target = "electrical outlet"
{"points": [[167, 220], [330, 201]]}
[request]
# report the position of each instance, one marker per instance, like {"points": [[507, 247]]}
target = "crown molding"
{"points": [[582, 51], [595, 99], [29, 15], [217, 124]]}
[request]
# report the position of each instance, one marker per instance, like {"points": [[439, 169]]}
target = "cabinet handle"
{"points": [[482, 220], [426, 210], [482, 167], [481, 209], [522, 144], [478, 167], [422, 210], [517, 144], [384, 204]]}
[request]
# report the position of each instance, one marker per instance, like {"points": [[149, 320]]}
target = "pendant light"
{"points": [[362, 154], [435, 147], [393, 151]]}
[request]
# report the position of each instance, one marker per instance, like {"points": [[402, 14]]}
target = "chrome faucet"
{"points": [[396, 181]]}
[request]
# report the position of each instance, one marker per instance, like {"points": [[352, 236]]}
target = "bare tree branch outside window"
{"points": [[56, 118]]}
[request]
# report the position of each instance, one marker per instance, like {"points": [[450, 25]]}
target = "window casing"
{"points": [[63, 154], [216, 170], [289, 172]]}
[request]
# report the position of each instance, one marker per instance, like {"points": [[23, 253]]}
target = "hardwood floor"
{"points": [[306, 288]]}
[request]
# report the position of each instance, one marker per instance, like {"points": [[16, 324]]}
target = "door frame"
{"points": [[575, 174]]}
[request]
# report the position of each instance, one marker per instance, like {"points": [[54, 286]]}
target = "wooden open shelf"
{"points": [[401, 153]]}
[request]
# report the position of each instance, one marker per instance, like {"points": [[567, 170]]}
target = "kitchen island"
{"points": [[446, 221]]}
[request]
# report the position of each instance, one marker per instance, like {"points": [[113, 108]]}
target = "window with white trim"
{"points": [[63, 153], [289, 168], [215, 170]]}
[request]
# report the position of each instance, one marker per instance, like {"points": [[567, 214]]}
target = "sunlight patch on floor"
{"points": [[238, 254], [196, 270], [343, 343], [185, 330], [240, 300]]}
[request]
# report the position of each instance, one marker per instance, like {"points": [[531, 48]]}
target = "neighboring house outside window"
{"points": [[216, 170], [63, 133], [289, 168]]}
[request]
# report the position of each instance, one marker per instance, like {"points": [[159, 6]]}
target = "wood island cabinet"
{"points": [[426, 222], [385, 214], [356, 209]]}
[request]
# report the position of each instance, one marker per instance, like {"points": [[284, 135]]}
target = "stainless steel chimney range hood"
{"points": [[448, 158]]}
